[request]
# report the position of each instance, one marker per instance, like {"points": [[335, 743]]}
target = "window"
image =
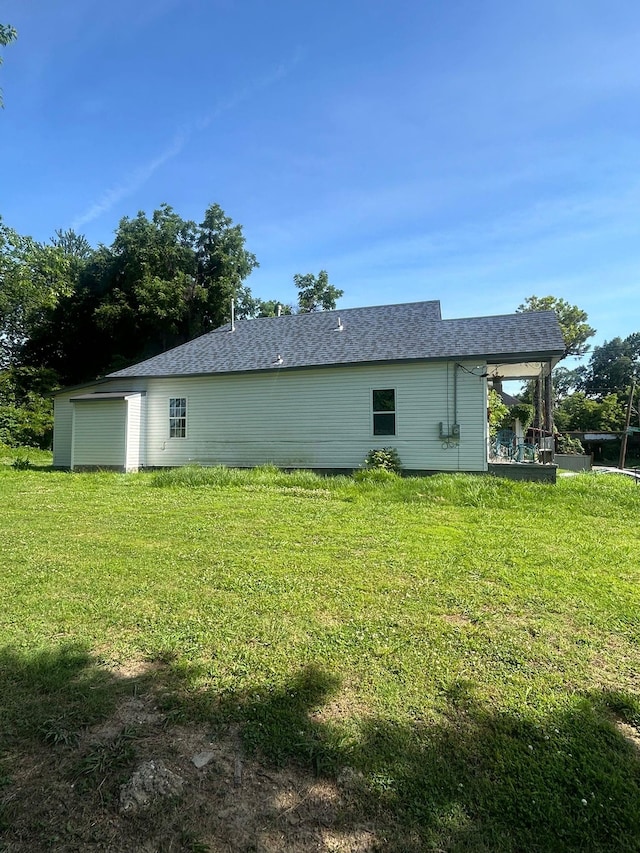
{"points": [[384, 412], [177, 417]]}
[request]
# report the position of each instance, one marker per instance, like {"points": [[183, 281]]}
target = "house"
{"points": [[309, 391]]}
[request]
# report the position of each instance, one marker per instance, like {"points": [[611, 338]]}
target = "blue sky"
{"points": [[475, 152]]}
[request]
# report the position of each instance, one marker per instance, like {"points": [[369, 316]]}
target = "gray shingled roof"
{"points": [[413, 331]]}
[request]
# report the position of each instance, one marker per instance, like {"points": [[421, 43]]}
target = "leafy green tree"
{"points": [[72, 244], [223, 263], [272, 308], [573, 321], [7, 35], [498, 412], [315, 293], [163, 281], [146, 282], [566, 382], [580, 413], [249, 307], [26, 413], [33, 277], [612, 367], [171, 280], [576, 332]]}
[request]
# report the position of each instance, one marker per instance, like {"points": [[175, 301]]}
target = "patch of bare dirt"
{"points": [[458, 619], [68, 797], [629, 733]]}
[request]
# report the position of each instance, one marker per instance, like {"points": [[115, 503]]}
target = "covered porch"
{"points": [[524, 453]]}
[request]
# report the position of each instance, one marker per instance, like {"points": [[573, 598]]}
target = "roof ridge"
{"points": [[334, 311], [502, 316]]}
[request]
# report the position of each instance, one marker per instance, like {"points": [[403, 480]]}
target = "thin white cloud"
{"points": [[131, 184], [250, 90], [141, 175]]}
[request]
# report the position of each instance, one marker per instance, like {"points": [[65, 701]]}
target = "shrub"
{"points": [[21, 463], [374, 475], [498, 413], [567, 444], [524, 412], [385, 459], [26, 414]]}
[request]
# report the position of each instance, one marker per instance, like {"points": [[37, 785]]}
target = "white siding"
{"points": [[62, 429], [99, 430], [321, 418], [63, 410], [135, 433]]}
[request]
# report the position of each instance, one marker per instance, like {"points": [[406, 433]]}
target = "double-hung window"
{"points": [[177, 417], [384, 411]]}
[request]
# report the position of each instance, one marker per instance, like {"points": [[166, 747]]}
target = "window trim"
{"points": [[375, 412], [177, 418]]}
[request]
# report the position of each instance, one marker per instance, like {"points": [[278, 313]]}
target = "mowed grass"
{"points": [[467, 646]]}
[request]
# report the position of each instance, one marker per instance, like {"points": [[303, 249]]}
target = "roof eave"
{"points": [[551, 356]]}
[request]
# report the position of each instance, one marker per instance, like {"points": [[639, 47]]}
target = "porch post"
{"points": [[548, 412], [540, 400]]}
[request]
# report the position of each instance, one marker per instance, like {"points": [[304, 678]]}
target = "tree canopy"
{"points": [[315, 293], [573, 321], [590, 397], [33, 278], [612, 367], [581, 413], [7, 35], [163, 281]]}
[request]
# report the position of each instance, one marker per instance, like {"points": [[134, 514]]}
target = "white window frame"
{"points": [[174, 418], [375, 412]]}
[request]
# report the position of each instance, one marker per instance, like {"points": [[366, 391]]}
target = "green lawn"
{"points": [[470, 646]]}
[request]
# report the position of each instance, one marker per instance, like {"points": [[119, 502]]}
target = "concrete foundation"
{"points": [[524, 471]]}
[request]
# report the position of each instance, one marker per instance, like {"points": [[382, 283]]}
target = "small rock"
{"points": [[237, 772], [151, 781], [202, 759]]}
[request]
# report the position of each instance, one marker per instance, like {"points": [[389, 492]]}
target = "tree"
{"points": [[223, 264], [26, 410], [566, 382], [575, 332], [612, 367], [145, 283], [273, 308], [7, 35], [249, 307], [33, 277], [580, 413], [498, 412], [72, 244], [163, 281], [315, 293], [572, 320]]}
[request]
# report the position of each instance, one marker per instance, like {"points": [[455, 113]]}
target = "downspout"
{"points": [[455, 393], [455, 409]]}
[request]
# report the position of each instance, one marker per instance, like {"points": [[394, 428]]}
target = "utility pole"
{"points": [[623, 446]]}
